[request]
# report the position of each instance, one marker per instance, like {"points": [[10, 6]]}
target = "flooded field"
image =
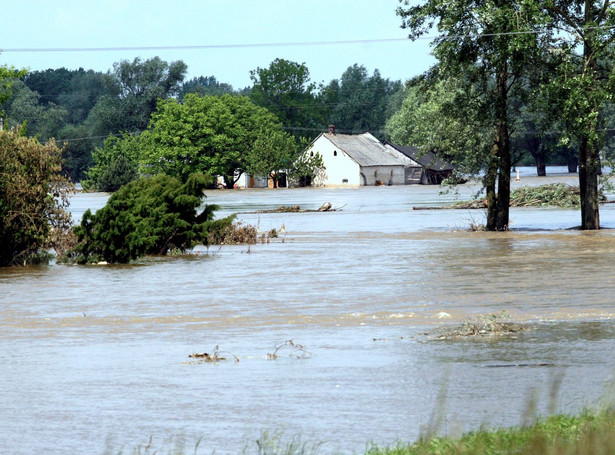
{"points": [[95, 359]]}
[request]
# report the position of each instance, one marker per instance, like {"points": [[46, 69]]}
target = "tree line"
{"points": [[82, 108]]}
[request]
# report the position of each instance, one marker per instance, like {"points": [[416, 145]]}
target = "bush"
{"points": [[33, 200], [149, 216]]}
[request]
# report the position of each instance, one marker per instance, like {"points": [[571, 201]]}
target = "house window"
{"points": [[334, 152], [344, 180]]}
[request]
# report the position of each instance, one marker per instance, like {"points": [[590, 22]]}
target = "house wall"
{"points": [[340, 169], [383, 175]]}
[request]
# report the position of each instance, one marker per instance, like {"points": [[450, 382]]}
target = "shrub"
{"points": [[149, 216]]}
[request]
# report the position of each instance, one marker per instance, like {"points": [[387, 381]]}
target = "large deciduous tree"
{"points": [[582, 85], [358, 102], [208, 134], [496, 37], [284, 88], [135, 90], [33, 200], [8, 77], [445, 116]]}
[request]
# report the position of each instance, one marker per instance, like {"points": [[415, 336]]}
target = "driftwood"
{"points": [[326, 207], [459, 205]]}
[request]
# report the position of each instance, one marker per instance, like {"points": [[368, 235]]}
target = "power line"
{"points": [[280, 44], [201, 46]]}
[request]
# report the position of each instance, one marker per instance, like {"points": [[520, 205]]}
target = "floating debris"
{"points": [[489, 325], [296, 350], [326, 207], [216, 356]]}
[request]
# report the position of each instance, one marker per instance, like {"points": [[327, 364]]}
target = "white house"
{"points": [[357, 159]]}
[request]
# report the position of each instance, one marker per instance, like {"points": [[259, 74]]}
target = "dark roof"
{"points": [[428, 160], [365, 149]]}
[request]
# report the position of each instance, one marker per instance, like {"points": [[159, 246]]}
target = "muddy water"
{"points": [[96, 358]]}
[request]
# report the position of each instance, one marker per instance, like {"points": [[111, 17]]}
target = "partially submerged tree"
{"points": [[272, 154], [149, 216], [33, 200], [496, 37], [583, 85]]}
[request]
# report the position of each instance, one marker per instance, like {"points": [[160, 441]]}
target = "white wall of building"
{"points": [[340, 169]]}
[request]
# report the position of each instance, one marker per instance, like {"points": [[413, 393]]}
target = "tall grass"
{"points": [[590, 433]]}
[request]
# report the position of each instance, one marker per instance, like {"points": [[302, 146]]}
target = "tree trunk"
{"points": [[588, 153], [588, 185], [502, 138], [573, 164], [490, 179], [540, 159]]}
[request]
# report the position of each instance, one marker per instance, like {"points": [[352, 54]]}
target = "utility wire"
{"points": [[279, 44]]}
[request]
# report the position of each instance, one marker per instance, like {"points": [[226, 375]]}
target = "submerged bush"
{"points": [[149, 216]]}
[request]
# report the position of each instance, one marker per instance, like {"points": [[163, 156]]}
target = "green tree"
{"points": [[8, 77], [273, 151], [149, 216], [284, 88], [583, 85], [77, 148], [33, 200], [208, 134], [205, 86], [135, 89], [445, 116], [115, 164], [498, 38], [358, 102], [25, 107]]}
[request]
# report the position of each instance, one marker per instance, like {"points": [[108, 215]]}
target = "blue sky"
{"points": [[145, 23]]}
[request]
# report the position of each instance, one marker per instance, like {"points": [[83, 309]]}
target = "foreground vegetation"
{"points": [[589, 433]]}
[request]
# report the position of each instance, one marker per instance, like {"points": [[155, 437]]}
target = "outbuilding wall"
{"points": [[383, 175]]}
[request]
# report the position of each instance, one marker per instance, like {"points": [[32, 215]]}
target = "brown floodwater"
{"points": [[95, 358]]}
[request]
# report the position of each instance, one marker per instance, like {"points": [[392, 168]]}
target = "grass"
{"points": [[591, 433]]}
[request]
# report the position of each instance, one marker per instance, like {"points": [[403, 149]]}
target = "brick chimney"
{"points": [[331, 129]]}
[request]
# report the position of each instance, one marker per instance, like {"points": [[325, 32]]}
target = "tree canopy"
{"points": [[149, 216], [285, 89], [358, 102], [206, 134], [494, 41], [33, 200]]}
